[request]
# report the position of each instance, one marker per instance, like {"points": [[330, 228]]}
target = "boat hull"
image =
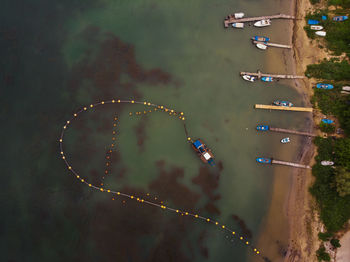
{"points": [[203, 152], [261, 46], [267, 79], [316, 27], [324, 86], [262, 127], [282, 103], [262, 23], [264, 160]]}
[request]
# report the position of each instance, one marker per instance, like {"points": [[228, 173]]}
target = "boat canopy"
{"points": [[207, 156], [197, 144]]}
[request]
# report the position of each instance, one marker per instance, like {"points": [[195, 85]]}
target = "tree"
{"points": [[322, 255], [342, 152], [342, 179], [335, 242]]}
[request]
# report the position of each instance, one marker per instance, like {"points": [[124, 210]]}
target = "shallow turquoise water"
{"points": [[188, 42]]}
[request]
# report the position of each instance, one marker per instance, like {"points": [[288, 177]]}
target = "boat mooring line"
{"points": [[155, 107]]}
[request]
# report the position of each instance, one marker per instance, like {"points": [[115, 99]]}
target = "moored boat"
{"points": [[283, 103], [324, 86], [316, 27], [249, 78], [260, 38], [203, 152], [238, 25], [262, 23], [327, 163], [238, 15], [340, 18], [312, 22], [264, 160], [327, 121], [267, 79], [262, 127], [346, 88], [320, 33], [261, 46], [285, 140]]}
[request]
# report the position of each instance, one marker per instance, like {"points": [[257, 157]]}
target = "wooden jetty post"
{"points": [[231, 18], [278, 162], [288, 131], [259, 75], [272, 44], [284, 108]]}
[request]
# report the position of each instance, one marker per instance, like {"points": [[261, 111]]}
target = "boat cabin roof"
{"points": [[207, 156], [197, 143]]}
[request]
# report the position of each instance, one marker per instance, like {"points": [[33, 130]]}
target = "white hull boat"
{"points": [[261, 46], [249, 78], [320, 33], [327, 163], [238, 25], [262, 23], [285, 140], [316, 27], [239, 15]]}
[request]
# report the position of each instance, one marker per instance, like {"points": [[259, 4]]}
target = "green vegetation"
{"points": [[330, 69], [314, 1], [335, 243], [324, 236], [322, 255], [327, 128], [342, 180], [343, 3]]}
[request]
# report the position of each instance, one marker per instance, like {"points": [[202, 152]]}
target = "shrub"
{"points": [[335, 242], [322, 255], [327, 128]]}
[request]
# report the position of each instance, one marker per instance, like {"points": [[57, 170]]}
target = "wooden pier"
{"points": [[288, 131], [231, 18], [278, 162], [272, 44], [259, 75], [284, 108]]}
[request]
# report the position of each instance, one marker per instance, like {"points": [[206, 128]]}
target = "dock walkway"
{"points": [[259, 75], [272, 44], [278, 162], [288, 131], [284, 108], [231, 18]]}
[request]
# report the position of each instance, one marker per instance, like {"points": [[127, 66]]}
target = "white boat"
{"points": [[262, 23], [238, 15], [249, 78], [316, 27], [261, 46], [285, 140], [320, 33], [346, 88], [238, 25], [327, 163]]}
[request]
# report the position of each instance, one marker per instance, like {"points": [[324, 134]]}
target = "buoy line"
{"points": [[137, 198]]}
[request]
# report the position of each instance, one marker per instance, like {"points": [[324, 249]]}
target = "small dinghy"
{"points": [[327, 121], [264, 160], [262, 23], [282, 103], [261, 38], [327, 163], [267, 79], [340, 18], [262, 128], [316, 27], [238, 15], [238, 25], [320, 33], [249, 78], [261, 46], [285, 140], [312, 22], [324, 86]]}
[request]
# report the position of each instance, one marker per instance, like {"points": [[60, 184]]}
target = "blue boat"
{"points": [[327, 121], [340, 18], [324, 17], [282, 103], [262, 128], [267, 79], [203, 152], [312, 22], [264, 160], [261, 38], [324, 86]]}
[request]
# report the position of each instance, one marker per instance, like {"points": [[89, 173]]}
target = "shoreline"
{"points": [[299, 241]]}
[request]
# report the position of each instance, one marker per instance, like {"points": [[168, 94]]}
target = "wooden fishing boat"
{"points": [[203, 152], [312, 22], [238, 15], [327, 121], [327, 163]]}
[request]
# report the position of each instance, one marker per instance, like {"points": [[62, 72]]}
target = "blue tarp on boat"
{"points": [[312, 22], [324, 17], [340, 18], [324, 86], [327, 121], [197, 143]]}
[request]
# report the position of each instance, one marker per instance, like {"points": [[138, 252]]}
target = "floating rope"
{"points": [[102, 188]]}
